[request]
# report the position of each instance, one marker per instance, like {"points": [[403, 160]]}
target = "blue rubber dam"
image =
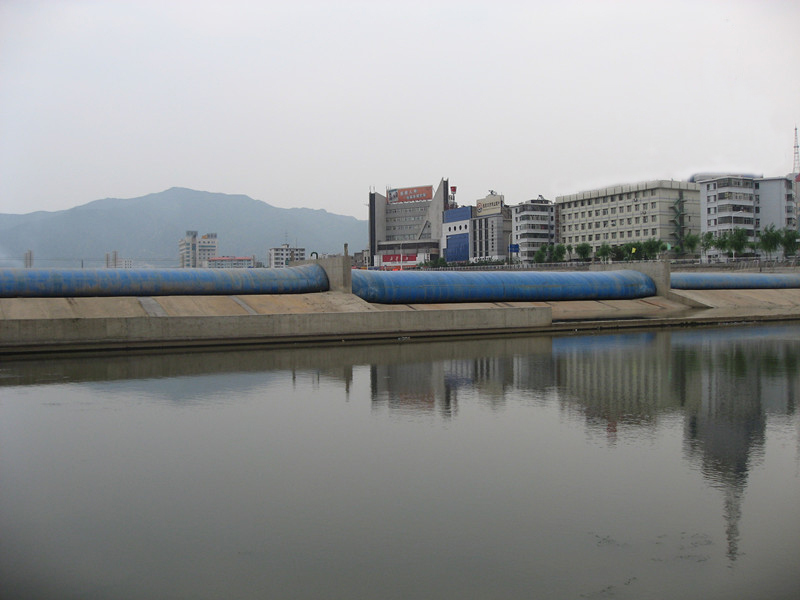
{"points": [[382, 287], [419, 287], [73, 283]]}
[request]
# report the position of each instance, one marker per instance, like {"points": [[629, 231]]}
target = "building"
{"points": [[664, 210], [232, 262], [405, 225], [281, 256], [749, 202], [456, 238], [115, 261], [534, 224], [194, 252], [491, 229]]}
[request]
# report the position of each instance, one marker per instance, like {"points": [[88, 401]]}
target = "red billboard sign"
{"points": [[411, 194], [396, 258]]}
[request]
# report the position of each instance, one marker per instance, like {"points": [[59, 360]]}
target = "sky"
{"points": [[313, 103]]}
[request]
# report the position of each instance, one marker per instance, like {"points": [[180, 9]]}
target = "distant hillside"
{"points": [[147, 229]]}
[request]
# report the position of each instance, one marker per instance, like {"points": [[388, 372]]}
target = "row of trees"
{"points": [[733, 242], [647, 250], [737, 242]]}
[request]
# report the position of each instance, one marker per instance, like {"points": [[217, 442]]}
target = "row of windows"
{"points": [[606, 211], [734, 208], [612, 198], [612, 223], [406, 211], [630, 233]]}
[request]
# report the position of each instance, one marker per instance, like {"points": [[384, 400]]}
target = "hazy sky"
{"points": [[309, 104]]}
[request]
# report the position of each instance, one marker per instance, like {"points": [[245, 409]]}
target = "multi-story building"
{"points": [[194, 251], [534, 227], [662, 210], [281, 256], [491, 229], [749, 202], [232, 262], [405, 225]]}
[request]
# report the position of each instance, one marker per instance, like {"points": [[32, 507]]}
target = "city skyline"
{"points": [[311, 104]]}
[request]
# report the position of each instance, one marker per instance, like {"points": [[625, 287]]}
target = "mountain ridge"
{"points": [[147, 229]]}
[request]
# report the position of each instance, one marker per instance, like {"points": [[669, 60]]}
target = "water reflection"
{"points": [[723, 384]]}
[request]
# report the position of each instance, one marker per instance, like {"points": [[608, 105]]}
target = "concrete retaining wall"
{"points": [[154, 332]]}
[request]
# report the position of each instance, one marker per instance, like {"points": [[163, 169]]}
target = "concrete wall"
{"points": [[154, 332], [339, 270], [658, 271]]}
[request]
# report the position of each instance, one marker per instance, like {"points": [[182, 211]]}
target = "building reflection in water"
{"points": [[723, 383]]}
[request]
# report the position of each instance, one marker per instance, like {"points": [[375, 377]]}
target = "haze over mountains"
{"points": [[147, 229]]}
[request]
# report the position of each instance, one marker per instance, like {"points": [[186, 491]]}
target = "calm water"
{"points": [[647, 465]]}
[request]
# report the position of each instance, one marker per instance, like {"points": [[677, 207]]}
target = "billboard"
{"points": [[411, 194], [398, 258], [489, 206]]}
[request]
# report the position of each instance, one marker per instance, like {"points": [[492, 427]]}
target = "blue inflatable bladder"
{"points": [[419, 287], [68, 283]]}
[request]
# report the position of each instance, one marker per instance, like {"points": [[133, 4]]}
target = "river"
{"points": [[653, 464]]}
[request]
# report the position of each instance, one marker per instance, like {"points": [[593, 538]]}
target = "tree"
{"points": [[617, 253], [738, 240], [723, 242], [584, 250], [569, 251], [604, 251], [540, 256], [650, 249], [790, 242], [690, 242], [770, 239], [707, 242], [559, 252]]}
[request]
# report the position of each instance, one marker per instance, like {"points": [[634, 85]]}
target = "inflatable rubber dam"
{"points": [[383, 287], [325, 301]]}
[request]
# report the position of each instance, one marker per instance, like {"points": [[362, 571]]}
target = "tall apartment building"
{"points": [[660, 209], [534, 223], [281, 256], [749, 202], [194, 252], [405, 225]]}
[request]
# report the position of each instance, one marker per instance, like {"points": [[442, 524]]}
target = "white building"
{"points": [[661, 210], [281, 256], [194, 251], [534, 224], [749, 202], [232, 262]]}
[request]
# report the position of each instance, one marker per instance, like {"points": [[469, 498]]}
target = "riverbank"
{"points": [[31, 326]]}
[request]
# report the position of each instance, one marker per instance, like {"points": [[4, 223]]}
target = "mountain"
{"points": [[147, 230]]}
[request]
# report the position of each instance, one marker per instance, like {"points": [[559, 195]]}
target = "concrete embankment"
{"points": [[43, 325]]}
